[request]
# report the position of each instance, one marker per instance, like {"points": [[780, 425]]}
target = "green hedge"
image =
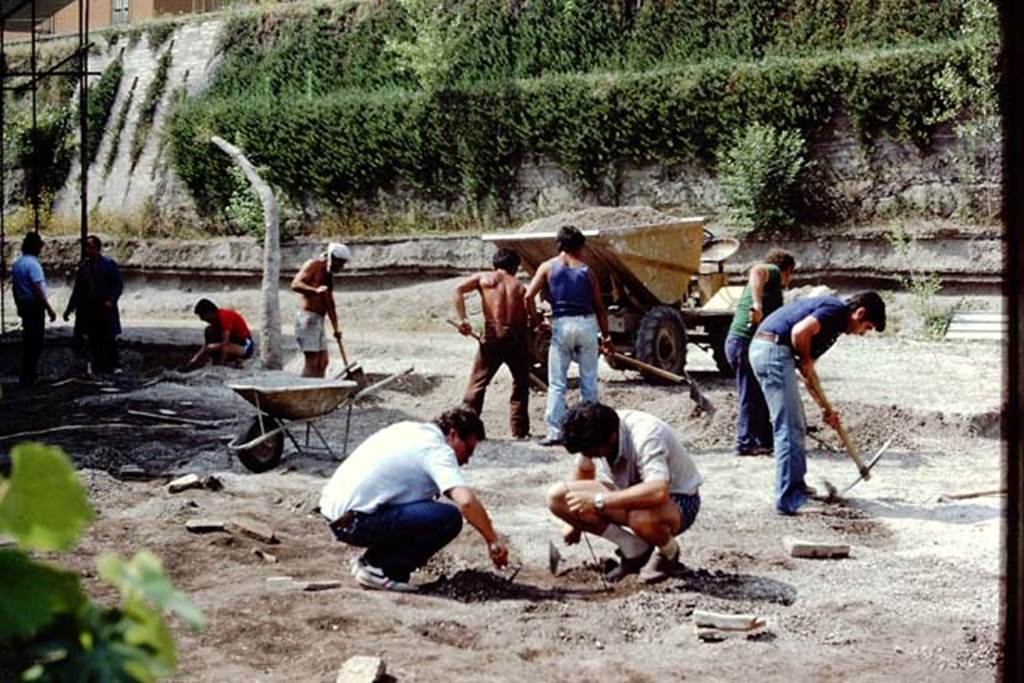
{"points": [[327, 48], [469, 142]]}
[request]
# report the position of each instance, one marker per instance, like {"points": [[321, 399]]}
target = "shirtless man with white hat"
{"points": [[314, 284]]}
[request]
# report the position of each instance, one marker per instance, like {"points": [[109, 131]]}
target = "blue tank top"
{"points": [[570, 290]]}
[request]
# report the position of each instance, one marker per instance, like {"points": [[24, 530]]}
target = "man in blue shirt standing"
{"points": [[578, 318], [790, 339], [30, 299]]}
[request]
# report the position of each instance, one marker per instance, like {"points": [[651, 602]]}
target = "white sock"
{"points": [[629, 543], [669, 549]]}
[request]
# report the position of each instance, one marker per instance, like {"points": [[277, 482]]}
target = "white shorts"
{"points": [[309, 331]]}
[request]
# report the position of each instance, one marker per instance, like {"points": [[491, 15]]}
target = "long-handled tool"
{"points": [[534, 379], [814, 387], [351, 371], [698, 397], [834, 495]]}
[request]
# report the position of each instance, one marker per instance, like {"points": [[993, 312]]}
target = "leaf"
{"points": [[32, 593], [45, 506], [143, 577]]}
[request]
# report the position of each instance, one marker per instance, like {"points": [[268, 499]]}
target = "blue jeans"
{"points": [[753, 424], [775, 369], [399, 539], [573, 338]]}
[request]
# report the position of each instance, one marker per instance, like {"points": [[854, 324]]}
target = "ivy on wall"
{"points": [[101, 103], [147, 110], [119, 124], [470, 142]]}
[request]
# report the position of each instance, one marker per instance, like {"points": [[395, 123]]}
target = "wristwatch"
{"points": [[599, 502]]}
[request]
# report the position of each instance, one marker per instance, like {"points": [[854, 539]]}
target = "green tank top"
{"points": [[770, 300]]}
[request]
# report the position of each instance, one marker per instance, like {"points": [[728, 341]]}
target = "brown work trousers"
{"points": [[502, 345]]}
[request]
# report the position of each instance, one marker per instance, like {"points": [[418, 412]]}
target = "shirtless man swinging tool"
{"points": [[314, 283], [506, 335]]}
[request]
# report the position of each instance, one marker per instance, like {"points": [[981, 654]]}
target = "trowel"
{"points": [[554, 558]]}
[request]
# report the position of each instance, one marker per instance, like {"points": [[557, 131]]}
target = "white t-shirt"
{"points": [[404, 463], [649, 450]]}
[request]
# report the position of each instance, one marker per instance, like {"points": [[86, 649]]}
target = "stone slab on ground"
{"points": [[189, 481], [205, 526], [253, 529], [815, 550], [362, 669]]}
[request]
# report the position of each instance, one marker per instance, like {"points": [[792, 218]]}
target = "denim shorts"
{"points": [[688, 506]]}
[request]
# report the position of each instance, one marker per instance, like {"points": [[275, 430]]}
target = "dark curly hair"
{"points": [[588, 426], [569, 239], [873, 304], [464, 421], [507, 260]]}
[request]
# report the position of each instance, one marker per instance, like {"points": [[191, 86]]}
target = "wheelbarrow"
{"points": [[260, 445]]}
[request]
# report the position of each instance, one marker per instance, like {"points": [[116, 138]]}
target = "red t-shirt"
{"points": [[235, 325]]}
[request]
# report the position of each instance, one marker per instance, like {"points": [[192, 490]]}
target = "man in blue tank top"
{"points": [[790, 339], [578, 317]]}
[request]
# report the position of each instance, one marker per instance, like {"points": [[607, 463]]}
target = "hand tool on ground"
{"points": [[597, 565], [534, 379], [946, 497], [834, 495], [515, 572], [698, 397], [554, 558]]}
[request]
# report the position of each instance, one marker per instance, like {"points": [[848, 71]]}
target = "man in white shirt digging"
{"points": [[383, 498], [634, 484]]}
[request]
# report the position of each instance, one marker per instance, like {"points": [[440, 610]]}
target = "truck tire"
{"points": [[265, 455], [661, 340]]}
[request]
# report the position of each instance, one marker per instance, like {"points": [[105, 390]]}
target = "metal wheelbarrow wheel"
{"points": [[266, 454]]}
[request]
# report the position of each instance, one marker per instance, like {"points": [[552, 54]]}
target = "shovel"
{"points": [[698, 397], [351, 371], [534, 379]]}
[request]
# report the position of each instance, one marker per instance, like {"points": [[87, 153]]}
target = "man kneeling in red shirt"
{"points": [[227, 335]]}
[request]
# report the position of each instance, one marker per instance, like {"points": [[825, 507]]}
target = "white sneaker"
{"points": [[370, 577]]}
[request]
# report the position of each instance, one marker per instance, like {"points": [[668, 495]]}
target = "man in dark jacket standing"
{"points": [[98, 287]]}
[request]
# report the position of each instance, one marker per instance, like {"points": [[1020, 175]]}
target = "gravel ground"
{"points": [[917, 598]]}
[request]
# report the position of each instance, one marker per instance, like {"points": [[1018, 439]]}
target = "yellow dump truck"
{"points": [[657, 281]]}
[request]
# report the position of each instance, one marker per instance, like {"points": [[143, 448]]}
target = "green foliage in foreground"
{"points": [[469, 143], [49, 628]]}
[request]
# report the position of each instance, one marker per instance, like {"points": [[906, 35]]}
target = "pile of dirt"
{"points": [[599, 217]]}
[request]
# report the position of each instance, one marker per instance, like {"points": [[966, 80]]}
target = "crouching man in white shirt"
{"points": [[383, 498], [635, 485]]}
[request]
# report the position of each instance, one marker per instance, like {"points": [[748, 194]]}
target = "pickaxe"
{"points": [[834, 495]]}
